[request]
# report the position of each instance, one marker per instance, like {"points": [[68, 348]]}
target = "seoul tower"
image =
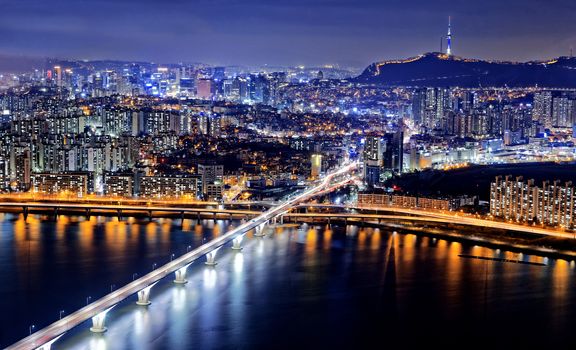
{"points": [[449, 38]]}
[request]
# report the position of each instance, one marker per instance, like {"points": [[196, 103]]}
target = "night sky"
{"points": [[348, 32]]}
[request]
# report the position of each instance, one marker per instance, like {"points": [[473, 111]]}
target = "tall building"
{"points": [[204, 89], [373, 160], [542, 111], [209, 124], [394, 152], [553, 204], [373, 150], [316, 165], [418, 105], [20, 167], [563, 111], [212, 176]]}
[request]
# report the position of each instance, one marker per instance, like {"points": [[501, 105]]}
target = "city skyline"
{"points": [[288, 33]]}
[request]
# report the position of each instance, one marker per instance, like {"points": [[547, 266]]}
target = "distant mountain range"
{"points": [[439, 70]]}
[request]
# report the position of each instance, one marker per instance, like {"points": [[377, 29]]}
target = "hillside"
{"points": [[439, 70]]}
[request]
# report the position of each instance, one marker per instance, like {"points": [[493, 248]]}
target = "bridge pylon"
{"points": [[260, 230], [237, 242], [181, 275], [144, 295], [211, 257], [98, 321]]}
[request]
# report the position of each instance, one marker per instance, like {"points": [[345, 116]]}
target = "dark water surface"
{"points": [[47, 266], [301, 287]]}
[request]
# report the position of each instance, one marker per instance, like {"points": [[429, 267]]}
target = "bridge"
{"points": [[424, 216], [44, 338], [88, 210]]}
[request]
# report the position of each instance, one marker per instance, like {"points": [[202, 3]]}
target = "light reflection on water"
{"points": [[67, 260], [324, 286]]}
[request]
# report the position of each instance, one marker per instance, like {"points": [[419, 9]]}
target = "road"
{"points": [[112, 207], [433, 217], [45, 335]]}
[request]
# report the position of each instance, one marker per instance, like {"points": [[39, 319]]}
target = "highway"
{"points": [[111, 207], [432, 217], [45, 335]]}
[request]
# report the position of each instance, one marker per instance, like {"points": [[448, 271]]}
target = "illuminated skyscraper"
{"points": [[373, 159], [58, 73], [316, 167]]}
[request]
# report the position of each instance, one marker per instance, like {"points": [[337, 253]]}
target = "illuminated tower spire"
{"points": [[449, 38]]}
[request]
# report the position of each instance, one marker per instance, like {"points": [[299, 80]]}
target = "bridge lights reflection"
{"points": [[209, 278], [98, 343], [211, 257], [238, 262], [181, 275], [179, 297], [98, 321]]}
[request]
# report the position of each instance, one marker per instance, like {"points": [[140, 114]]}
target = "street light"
{"points": [[171, 256], [112, 288], [153, 266], [31, 328], [134, 275], [61, 313], [188, 248], [88, 298]]}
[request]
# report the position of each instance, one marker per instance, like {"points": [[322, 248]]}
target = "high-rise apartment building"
{"points": [[552, 204], [542, 111]]}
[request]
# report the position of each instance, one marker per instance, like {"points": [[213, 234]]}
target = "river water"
{"points": [[299, 287]]}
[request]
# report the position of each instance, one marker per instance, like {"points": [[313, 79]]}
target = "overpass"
{"points": [[120, 210], [414, 215], [44, 338]]}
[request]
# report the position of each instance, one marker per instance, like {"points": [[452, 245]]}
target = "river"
{"points": [[299, 287]]}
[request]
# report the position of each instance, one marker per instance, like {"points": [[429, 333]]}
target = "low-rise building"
{"points": [[175, 186], [66, 184]]}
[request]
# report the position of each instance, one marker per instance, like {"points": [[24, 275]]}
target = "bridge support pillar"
{"points": [[144, 296], [237, 242], [119, 214], [230, 217], [149, 215], [259, 231], [198, 216], [88, 213], [181, 275], [281, 219], [182, 216], [214, 216], [98, 321], [55, 213], [25, 212], [211, 258]]}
